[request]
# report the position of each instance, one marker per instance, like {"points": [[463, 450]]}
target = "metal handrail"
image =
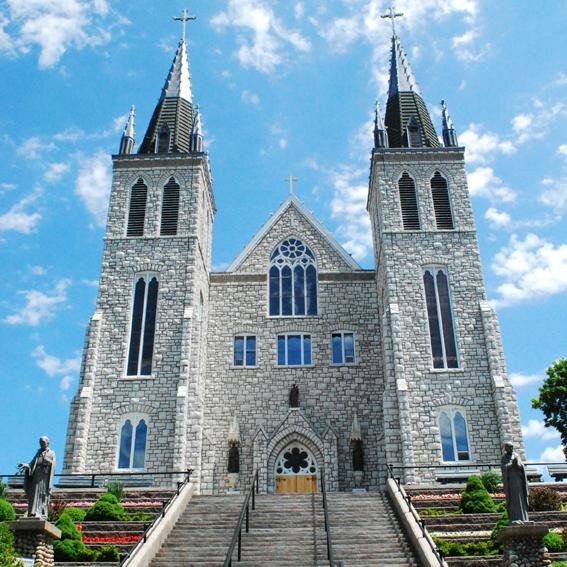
{"points": [[330, 551], [165, 508], [436, 551], [244, 513]]}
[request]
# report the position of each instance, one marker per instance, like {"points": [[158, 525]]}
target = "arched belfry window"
{"points": [[441, 202], [132, 445], [408, 203], [169, 208], [143, 325], [414, 133], [137, 209], [162, 141], [454, 435], [293, 279], [440, 317]]}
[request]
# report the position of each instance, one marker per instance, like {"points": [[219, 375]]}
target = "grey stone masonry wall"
{"points": [[479, 386], [182, 262], [330, 395]]}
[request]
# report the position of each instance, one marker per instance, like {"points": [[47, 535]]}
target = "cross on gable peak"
{"points": [[392, 15]]}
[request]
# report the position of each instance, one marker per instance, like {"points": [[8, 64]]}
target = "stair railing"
{"points": [[330, 551], [244, 517]]}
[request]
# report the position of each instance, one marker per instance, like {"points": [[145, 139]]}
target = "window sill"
{"points": [[293, 316], [243, 367], [341, 364], [137, 377], [447, 370], [292, 366]]}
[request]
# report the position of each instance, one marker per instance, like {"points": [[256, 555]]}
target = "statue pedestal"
{"points": [[523, 545], [34, 540]]}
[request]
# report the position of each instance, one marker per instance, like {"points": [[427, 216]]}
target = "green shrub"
{"points": [[7, 551], [116, 489], [471, 548], [76, 514], [108, 553], [3, 491], [501, 507], [104, 510], [475, 498], [108, 497], [437, 512], [7, 512], [141, 517], [491, 480], [67, 526], [501, 523], [543, 499], [72, 550], [559, 564], [554, 542]]}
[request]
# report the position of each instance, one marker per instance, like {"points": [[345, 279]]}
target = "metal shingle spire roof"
{"points": [[178, 82], [402, 78]]}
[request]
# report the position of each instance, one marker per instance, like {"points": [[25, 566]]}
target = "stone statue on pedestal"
{"points": [[515, 485], [294, 397], [38, 480]]}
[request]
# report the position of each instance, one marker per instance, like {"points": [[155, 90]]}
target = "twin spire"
{"points": [[175, 126]]}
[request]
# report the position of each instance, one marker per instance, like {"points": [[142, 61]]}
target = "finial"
{"points": [[291, 181], [128, 137], [184, 18], [449, 135], [392, 14]]}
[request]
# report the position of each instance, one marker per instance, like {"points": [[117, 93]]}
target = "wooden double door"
{"points": [[296, 483]]}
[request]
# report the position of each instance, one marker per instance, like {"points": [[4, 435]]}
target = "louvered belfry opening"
{"points": [[441, 202], [137, 209], [170, 208], [408, 202]]}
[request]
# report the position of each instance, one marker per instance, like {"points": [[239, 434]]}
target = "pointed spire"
{"points": [[129, 136], [449, 135], [402, 78], [380, 134], [178, 82], [197, 132]]}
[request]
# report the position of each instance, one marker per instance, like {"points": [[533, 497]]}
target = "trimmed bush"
{"points": [[141, 517], [7, 512], [76, 514], [554, 542], [103, 510], [72, 550], [7, 551], [108, 553], [471, 548], [116, 489], [491, 480], [559, 564], [67, 526], [543, 499], [108, 497], [475, 498]]}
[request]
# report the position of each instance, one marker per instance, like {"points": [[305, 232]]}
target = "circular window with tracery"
{"points": [[296, 459]]}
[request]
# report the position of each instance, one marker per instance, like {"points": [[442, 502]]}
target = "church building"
{"points": [[294, 360]]}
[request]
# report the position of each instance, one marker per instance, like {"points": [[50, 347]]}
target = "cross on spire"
{"points": [[392, 15], [184, 18], [291, 181]]}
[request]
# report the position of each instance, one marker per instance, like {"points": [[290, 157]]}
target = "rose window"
{"points": [[296, 459]]}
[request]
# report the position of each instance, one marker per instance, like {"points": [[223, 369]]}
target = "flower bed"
{"points": [[111, 539]]}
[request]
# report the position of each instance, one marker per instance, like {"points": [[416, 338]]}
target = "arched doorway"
{"points": [[296, 469]]}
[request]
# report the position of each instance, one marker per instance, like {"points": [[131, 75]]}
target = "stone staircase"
{"points": [[287, 530]]}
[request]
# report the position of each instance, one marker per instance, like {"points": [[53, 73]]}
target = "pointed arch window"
{"points": [[414, 133], [441, 202], [440, 317], [454, 435], [169, 208], [408, 202], [143, 325], [132, 445], [137, 209], [163, 139], [292, 280]]}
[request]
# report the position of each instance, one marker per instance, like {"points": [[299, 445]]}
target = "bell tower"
{"points": [[140, 400], [447, 398]]}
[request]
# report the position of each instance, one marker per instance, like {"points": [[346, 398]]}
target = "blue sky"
{"points": [[284, 87]]}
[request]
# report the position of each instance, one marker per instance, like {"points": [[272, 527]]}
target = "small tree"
{"points": [[552, 400]]}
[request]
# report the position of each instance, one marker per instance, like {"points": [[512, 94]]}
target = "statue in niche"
{"points": [[233, 459], [515, 485], [294, 397], [38, 480]]}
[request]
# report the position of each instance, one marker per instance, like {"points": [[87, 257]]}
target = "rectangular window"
{"points": [[342, 345], [294, 350], [440, 317], [244, 350]]}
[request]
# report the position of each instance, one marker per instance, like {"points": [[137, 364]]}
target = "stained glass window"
{"points": [[132, 448], [454, 436]]}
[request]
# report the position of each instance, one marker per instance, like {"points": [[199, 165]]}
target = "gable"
{"points": [[292, 219]]}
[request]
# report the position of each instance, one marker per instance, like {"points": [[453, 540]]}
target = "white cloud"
{"points": [[38, 270], [531, 268], [553, 455], [66, 382], [483, 182], [481, 147], [556, 195], [498, 219], [282, 143], [55, 366], [298, 10], [265, 49], [55, 171], [34, 147], [562, 150], [250, 98], [536, 428], [519, 380], [39, 306], [547, 113], [18, 218], [93, 184], [55, 26], [522, 122]]}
